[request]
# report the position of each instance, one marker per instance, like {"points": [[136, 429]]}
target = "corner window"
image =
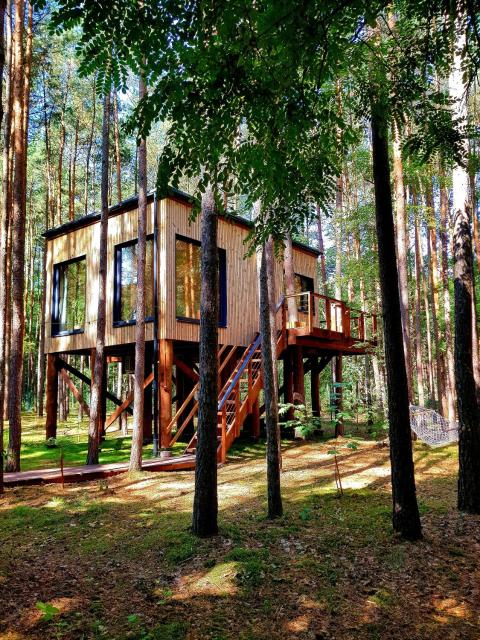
{"points": [[303, 284], [188, 281], [69, 294], [125, 282]]}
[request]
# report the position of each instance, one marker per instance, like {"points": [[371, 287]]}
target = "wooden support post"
{"points": [[256, 420], [339, 427], [148, 416], [51, 397], [103, 406], [315, 387], [165, 365], [288, 381], [298, 376]]}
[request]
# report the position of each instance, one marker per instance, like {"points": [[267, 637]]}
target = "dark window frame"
{"points": [[222, 283], [117, 278], [55, 309]]}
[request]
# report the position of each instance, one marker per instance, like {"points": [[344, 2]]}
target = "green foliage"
{"points": [[48, 610], [306, 423]]}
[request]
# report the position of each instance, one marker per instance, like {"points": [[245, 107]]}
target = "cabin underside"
{"points": [[306, 346]]}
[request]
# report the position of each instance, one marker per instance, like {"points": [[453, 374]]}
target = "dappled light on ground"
{"points": [[118, 558]]}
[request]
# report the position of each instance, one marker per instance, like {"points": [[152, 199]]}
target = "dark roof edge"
{"points": [[132, 203]]}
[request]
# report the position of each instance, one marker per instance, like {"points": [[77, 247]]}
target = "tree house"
{"points": [[324, 327]]}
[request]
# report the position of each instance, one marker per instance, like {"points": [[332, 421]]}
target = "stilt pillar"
{"points": [[298, 376], [256, 420], [315, 388], [288, 381], [339, 426], [51, 396], [165, 364]]}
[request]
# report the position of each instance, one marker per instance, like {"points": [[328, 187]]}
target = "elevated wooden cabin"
{"points": [[325, 327]]}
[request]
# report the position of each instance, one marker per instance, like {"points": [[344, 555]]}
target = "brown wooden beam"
{"points": [[126, 403], [165, 363], [75, 392], [51, 396], [184, 368], [315, 388], [298, 376], [81, 376], [339, 428]]}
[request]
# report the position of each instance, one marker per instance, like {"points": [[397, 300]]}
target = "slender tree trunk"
{"points": [[338, 238], [72, 187], [406, 519], [89, 147], [205, 503], [468, 409], [117, 146], [61, 148], [434, 286], [321, 248], [402, 251], [139, 395], [18, 249], [96, 400], [275, 508], [418, 312], [444, 235], [290, 280], [4, 62]]}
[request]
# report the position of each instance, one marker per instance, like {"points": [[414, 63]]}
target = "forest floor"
{"points": [[115, 560]]}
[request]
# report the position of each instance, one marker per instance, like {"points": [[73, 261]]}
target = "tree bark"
{"points": [[321, 248], [205, 503], [406, 519], [4, 62], [117, 147], [72, 181], [139, 395], [89, 147], [99, 364], [418, 311], [434, 286], [444, 240], [402, 252], [18, 249], [275, 508], [290, 280], [468, 409]]}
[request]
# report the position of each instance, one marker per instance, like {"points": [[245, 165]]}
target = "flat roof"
{"points": [[132, 203]]}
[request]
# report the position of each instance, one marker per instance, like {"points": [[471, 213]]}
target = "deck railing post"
{"points": [[361, 326], [223, 448], [237, 409], [328, 314], [310, 312]]}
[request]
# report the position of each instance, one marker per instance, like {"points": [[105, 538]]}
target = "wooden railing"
{"points": [[316, 311]]}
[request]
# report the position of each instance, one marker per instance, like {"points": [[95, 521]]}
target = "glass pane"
{"points": [[187, 279], [71, 296], [302, 284], [128, 281]]}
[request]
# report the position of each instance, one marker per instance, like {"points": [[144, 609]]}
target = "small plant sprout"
{"points": [[48, 610]]}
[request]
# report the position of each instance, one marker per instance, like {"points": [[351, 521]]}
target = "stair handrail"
{"points": [[246, 359], [240, 371]]}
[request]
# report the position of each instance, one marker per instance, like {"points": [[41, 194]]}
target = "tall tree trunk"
{"points": [[89, 147], [321, 248], [468, 409], [402, 251], [275, 508], [444, 236], [205, 503], [139, 395], [4, 62], [18, 249], [434, 286], [290, 280], [418, 310], [338, 238], [98, 372], [117, 147], [61, 148], [406, 519], [72, 181]]}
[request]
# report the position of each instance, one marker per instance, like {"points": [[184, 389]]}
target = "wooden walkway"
{"points": [[95, 471]]}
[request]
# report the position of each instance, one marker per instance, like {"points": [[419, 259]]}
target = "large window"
{"points": [[68, 304], [188, 281], [125, 286], [302, 285]]}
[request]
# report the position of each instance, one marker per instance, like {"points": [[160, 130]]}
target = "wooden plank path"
{"points": [[95, 471]]}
